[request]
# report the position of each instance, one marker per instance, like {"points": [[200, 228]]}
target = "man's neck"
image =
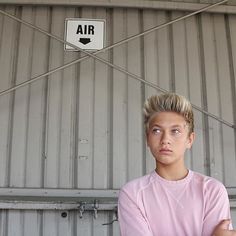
{"points": [[172, 172]]}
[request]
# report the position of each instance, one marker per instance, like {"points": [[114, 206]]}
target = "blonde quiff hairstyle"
{"points": [[168, 102]]}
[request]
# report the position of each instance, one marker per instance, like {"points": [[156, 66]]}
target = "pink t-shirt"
{"points": [[153, 206]]}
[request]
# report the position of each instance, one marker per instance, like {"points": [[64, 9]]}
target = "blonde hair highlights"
{"points": [[168, 102]]}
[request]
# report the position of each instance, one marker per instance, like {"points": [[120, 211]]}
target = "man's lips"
{"points": [[165, 150]]}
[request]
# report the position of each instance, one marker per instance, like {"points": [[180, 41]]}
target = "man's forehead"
{"points": [[166, 115], [167, 119], [183, 124]]}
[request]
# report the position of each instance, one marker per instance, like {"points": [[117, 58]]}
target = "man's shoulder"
{"points": [[138, 184], [209, 183]]}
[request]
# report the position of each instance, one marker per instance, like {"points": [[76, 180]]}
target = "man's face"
{"points": [[168, 137]]}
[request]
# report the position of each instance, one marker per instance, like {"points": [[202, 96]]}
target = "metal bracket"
{"points": [[114, 220], [81, 209], [95, 208]]}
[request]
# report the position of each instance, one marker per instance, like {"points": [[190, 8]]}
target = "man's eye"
{"points": [[175, 131], [156, 131]]}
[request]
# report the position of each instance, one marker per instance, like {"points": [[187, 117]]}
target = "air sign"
{"points": [[87, 34]]}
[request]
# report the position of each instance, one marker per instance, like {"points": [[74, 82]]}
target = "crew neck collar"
{"points": [[186, 179]]}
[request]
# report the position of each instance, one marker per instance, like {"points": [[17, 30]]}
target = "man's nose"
{"points": [[165, 138]]}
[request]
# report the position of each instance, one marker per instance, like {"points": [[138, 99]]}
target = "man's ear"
{"points": [[190, 140], [146, 135]]}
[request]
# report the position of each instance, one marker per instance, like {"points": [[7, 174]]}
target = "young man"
{"points": [[172, 200]]}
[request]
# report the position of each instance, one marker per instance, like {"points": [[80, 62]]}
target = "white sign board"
{"points": [[85, 33]]}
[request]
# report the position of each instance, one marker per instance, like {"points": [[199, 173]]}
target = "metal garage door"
{"points": [[72, 137]]}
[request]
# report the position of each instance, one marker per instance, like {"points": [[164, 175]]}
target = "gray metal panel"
{"points": [[187, 5], [134, 98], [81, 127], [102, 134], [7, 68], [233, 214]]}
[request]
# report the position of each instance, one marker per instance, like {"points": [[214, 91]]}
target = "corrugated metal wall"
{"points": [[82, 127]]}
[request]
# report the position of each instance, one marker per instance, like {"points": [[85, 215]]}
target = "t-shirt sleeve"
{"points": [[131, 220], [217, 208]]}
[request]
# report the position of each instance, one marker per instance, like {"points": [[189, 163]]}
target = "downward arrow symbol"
{"points": [[84, 40]]}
